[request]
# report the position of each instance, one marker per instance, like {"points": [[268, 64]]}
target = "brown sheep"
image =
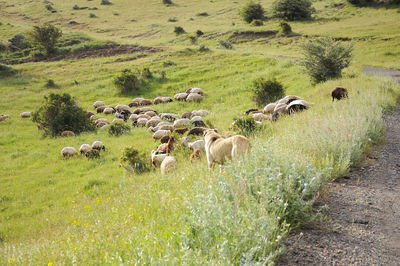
{"points": [[93, 153], [197, 131], [195, 155], [165, 139], [67, 133], [145, 102], [181, 131], [89, 114], [339, 93]]}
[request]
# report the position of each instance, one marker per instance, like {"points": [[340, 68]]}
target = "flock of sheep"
{"points": [[164, 125]]}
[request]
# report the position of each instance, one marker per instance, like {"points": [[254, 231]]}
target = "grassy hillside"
{"points": [[92, 211]]}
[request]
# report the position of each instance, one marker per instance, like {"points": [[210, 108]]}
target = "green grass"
{"points": [[82, 211]]}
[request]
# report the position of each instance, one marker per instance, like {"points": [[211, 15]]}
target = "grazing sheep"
{"points": [[297, 105], [92, 154], [182, 122], [201, 113], [260, 117], [274, 116], [165, 139], [339, 93], [89, 114], [25, 114], [133, 117], [4, 117], [169, 116], [168, 165], [85, 148], [196, 131], [104, 127], [160, 133], [68, 152], [143, 110], [133, 105], [141, 122], [122, 107], [162, 99], [123, 114], [144, 116], [196, 118], [288, 99], [108, 111], [197, 145], [135, 102], [166, 127], [157, 158], [153, 122], [93, 117], [194, 97], [195, 155], [67, 133], [167, 147], [219, 148], [98, 145], [116, 120], [145, 102], [181, 96], [98, 104], [250, 111], [187, 115], [101, 124], [269, 108], [281, 108], [100, 109], [150, 113], [199, 123], [196, 90], [180, 131]]}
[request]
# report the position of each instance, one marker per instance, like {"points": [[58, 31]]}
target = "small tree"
{"points": [[252, 11], [324, 58], [292, 9], [118, 129], [179, 30], [245, 125], [267, 91], [135, 161], [127, 81], [58, 113], [285, 28], [45, 37]]}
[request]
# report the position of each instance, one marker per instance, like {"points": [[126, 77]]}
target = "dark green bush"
{"points": [[266, 91], [324, 58], [118, 129], [257, 22], [45, 37], [92, 15], [192, 39], [167, 2], [105, 2], [203, 48], [361, 2], [6, 70], [134, 160], [292, 9], [202, 14], [225, 44], [252, 11], [146, 73], [246, 126], [172, 20], [285, 28], [127, 81], [50, 84], [59, 112], [179, 30], [199, 33]]}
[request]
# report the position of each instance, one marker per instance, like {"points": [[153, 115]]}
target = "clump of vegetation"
{"points": [[6, 70], [134, 161], [168, 63], [45, 37], [257, 22], [266, 91], [92, 15], [361, 2], [285, 28], [192, 39], [199, 33], [3, 47], [203, 48], [146, 73], [292, 9], [172, 20], [50, 84], [58, 113], [105, 2], [127, 81], [167, 2], [252, 11], [246, 126], [325, 58], [225, 44], [179, 30], [202, 14], [118, 129]]}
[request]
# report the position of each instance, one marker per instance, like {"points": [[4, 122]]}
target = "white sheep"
{"points": [[181, 96], [168, 165], [161, 133], [25, 114], [68, 152], [144, 116], [169, 116], [122, 107], [101, 120], [194, 97], [157, 158], [269, 108], [117, 120], [108, 111], [260, 117], [98, 104], [196, 90], [85, 148], [4, 117], [141, 122], [133, 117], [166, 127], [150, 113], [183, 122], [98, 145], [196, 118], [201, 113], [197, 145], [153, 122]]}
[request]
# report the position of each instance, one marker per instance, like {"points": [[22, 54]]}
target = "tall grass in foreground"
{"points": [[244, 214]]}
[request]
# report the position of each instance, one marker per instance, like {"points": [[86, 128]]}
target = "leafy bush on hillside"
{"points": [[324, 58], [179, 30], [192, 39], [292, 9], [118, 129], [134, 160], [167, 2], [225, 44], [45, 37], [361, 2], [146, 73], [127, 81], [50, 84], [199, 33], [245, 125], [266, 91], [105, 2], [285, 28], [252, 11], [6, 70], [59, 112], [257, 22]]}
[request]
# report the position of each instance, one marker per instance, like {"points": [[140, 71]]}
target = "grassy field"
{"points": [[83, 211]]}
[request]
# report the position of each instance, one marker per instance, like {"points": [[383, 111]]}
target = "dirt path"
{"points": [[371, 71], [364, 213]]}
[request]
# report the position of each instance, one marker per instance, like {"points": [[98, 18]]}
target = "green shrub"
{"points": [[246, 126], [167, 2], [50, 84], [285, 28], [179, 30], [105, 2], [118, 129], [6, 70], [252, 11], [59, 112], [361, 2], [172, 20], [324, 58], [92, 15], [3, 47], [292, 9], [225, 44], [75, 7], [127, 81], [203, 48], [168, 63], [257, 22], [146, 73], [192, 39], [45, 37], [134, 160], [202, 14], [199, 33], [266, 91]]}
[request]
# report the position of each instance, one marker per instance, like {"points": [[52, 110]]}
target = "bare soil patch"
{"points": [[363, 211], [391, 73]]}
